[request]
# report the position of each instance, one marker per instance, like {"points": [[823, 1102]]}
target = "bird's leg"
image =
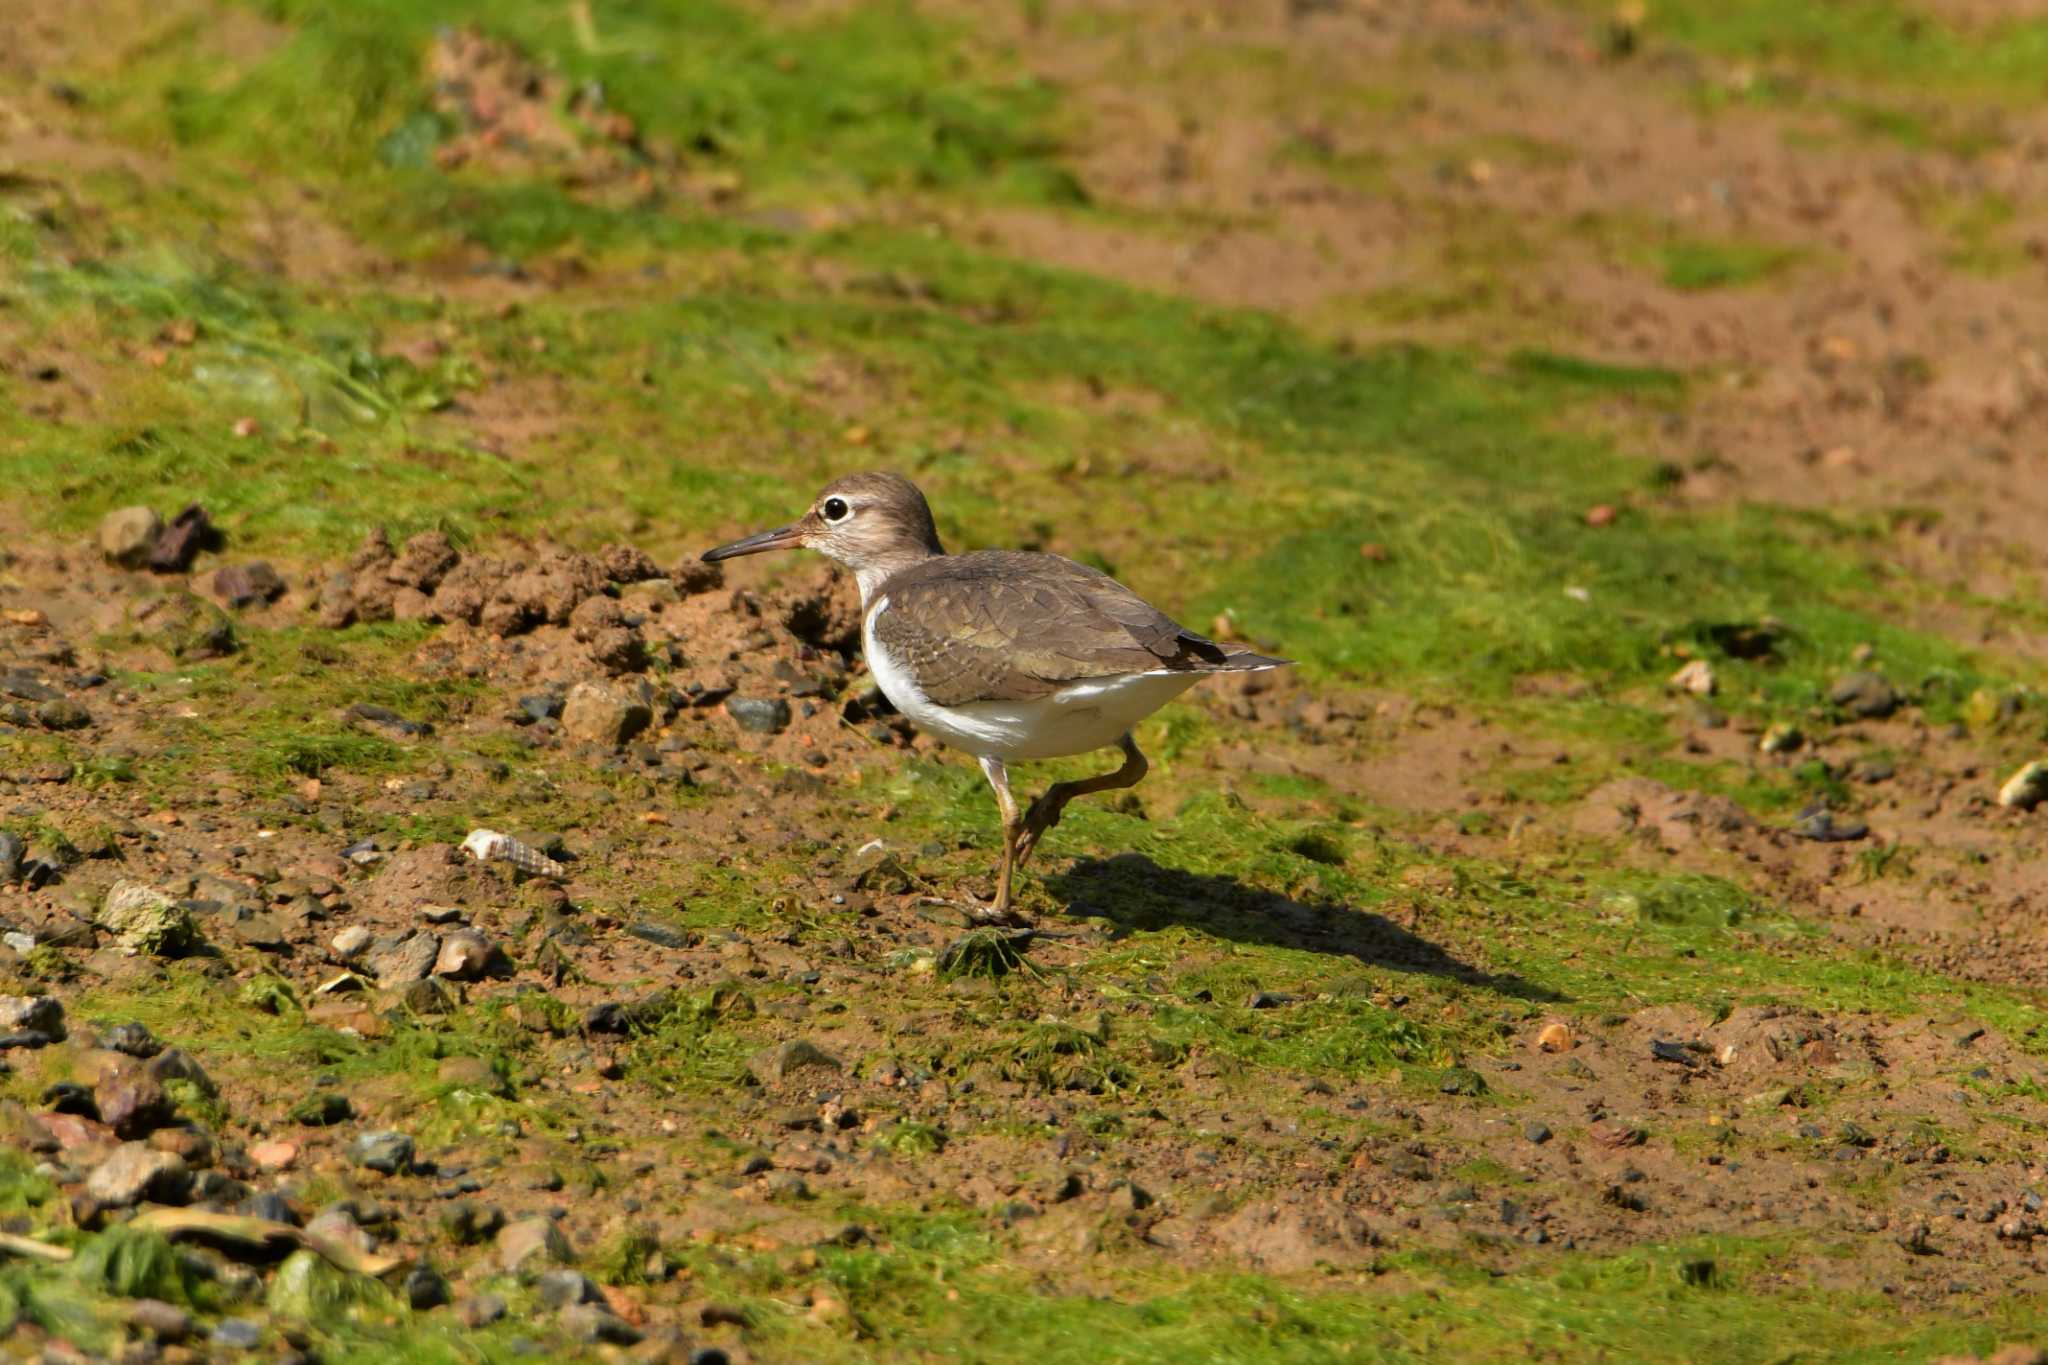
{"points": [[1013, 827], [1045, 811]]}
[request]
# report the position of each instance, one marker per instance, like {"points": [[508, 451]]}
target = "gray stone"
{"points": [[388, 1152], [398, 959], [238, 1334], [242, 585], [339, 1225], [42, 1014], [587, 1322], [605, 713], [1824, 826], [165, 1321], [128, 534], [762, 715], [63, 714], [561, 1287], [351, 941], [784, 1060], [12, 850], [145, 920], [176, 1064], [530, 1244], [131, 1101], [481, 1311], [131, 1038], [183, 625], [137, 1171], [1866, 695]]}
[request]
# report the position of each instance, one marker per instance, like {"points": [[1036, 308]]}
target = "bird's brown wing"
{"points": [[1001, 626]]}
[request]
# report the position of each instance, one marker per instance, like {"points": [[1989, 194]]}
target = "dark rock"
{"points": [[1824, 826], [629, 1016], [1662, 1051], [321, 1109], [426, 1288], [386, 1152], [709, 1355], [175, 1064], [386, 719], [428, 997], [69, 1097], [42, 1014], [660, 935], [540, 706], [180, 543], [11, 852], [271, 1207], [62, 714], [25, 687], [469, 1224], [784, 1060], [1462, 1080], [243, 585], [761, 715], [131, 1101], [132, 1038], [1868, 696]]}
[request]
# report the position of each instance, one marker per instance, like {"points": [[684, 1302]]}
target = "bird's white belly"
{"points": [[1085, 715]]}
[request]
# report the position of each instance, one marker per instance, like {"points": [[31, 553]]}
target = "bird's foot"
{"points": [[1044, 813], [997, 917]]}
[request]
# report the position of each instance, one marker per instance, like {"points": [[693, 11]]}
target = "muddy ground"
{"points": [[1385, 1000]]}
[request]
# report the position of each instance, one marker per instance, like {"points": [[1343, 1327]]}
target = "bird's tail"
{"points": [[1244, 661]]}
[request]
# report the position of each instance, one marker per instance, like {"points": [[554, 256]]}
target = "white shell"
{"points": [[487, 845]]}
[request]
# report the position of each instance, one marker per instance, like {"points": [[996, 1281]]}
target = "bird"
{"points": [[1010, 656]]}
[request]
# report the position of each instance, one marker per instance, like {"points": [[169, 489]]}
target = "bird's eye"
{"points": [[836, 509]]}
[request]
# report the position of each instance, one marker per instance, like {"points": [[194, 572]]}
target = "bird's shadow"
{"points": [[1135, 893]]}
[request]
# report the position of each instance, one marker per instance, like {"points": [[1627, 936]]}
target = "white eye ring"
{"points": [[835, 509]]}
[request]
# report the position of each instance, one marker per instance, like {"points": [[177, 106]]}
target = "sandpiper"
{"points": [[1009, 656]]}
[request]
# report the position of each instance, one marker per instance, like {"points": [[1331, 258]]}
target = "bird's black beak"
{"points": [[781, 538]]}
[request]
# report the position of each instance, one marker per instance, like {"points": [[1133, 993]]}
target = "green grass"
{"points": [[879, 98], [1877, 40], [1698, 265]]}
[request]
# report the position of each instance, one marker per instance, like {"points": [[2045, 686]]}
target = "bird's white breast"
{"points": [[1082, 716]]}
